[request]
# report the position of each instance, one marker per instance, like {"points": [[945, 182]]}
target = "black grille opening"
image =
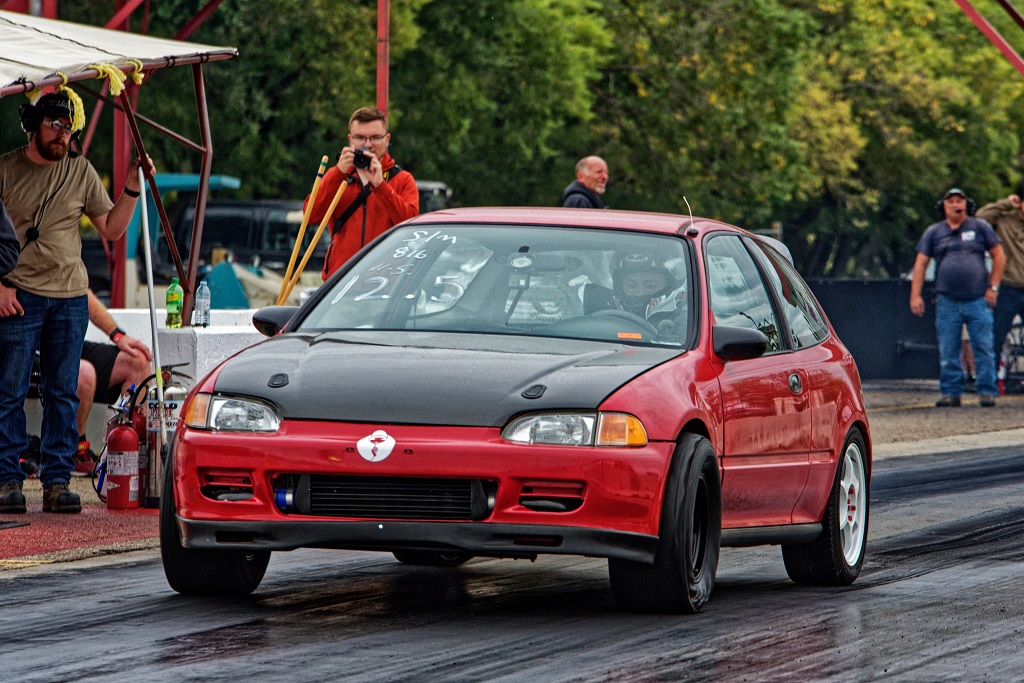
{"points": [[400, 497]]}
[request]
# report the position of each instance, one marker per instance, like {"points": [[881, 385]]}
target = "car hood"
{"points": [[430, 378]]}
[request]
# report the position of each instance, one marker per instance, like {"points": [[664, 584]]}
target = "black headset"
{"points": [[941, 210], [31, 118]]}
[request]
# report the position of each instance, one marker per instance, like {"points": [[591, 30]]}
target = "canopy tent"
{"points": [[38, 53], [33, 50]]}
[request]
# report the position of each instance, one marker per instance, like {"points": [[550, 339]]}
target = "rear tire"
{"points": [[836, 557], [204, 572], [431, 558], [683, 573]]}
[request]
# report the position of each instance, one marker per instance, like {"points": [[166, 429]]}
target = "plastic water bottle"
{"points": [[202, 309], [175, 300]]}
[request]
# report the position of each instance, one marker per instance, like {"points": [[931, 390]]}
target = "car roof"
{"points": [[591, 218]]}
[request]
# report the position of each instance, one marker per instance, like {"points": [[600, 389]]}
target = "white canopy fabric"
{"points": [[33, 50]]}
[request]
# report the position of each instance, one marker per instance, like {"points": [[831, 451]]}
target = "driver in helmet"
{"points": [[641, 282]]}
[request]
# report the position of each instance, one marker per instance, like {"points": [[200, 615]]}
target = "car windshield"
{"points": [[574, 283]]}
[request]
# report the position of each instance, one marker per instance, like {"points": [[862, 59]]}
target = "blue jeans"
{"points": [[1009, 304], [950, 317], [57, 328]]}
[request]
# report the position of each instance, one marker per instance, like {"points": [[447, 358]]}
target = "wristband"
{"points": [[131, 193], [117, 334]]}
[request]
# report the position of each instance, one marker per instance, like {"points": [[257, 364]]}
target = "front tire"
{"points": [[683, 573], [204, 572], [836, 557]]}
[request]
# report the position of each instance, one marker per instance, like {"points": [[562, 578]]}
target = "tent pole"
{"points": [[157, 369], [206, 139], [129, 114]]}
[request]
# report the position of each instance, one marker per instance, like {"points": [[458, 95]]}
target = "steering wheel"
{"points": [[631, 317]]}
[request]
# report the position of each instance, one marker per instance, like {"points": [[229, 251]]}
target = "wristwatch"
{"points": [[994, 288], [117, 334]]}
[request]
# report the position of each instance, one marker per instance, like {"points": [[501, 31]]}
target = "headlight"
{"points": [[230, 414], [577, 429]]}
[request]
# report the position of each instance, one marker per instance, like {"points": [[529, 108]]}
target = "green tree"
{"points": [[495, 99], [284, 102], [935, 105], [843, 119]]}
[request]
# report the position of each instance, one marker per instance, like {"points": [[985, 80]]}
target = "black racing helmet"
{"points": [[629, 263]]}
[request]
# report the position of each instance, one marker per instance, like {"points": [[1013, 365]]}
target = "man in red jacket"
{"points": [[379, 193]]}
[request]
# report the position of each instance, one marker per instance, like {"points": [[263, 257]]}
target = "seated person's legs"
{"points": [[85, 458], [128, 370], [86, 391], [105, 371]]}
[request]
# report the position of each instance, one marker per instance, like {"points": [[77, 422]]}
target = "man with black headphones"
{"points": [[43, 300], [966, 293]]}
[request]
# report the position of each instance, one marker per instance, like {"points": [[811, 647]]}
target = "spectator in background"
{"points": [[591, 179], [966, 293], [1007, 219], [43, 302], [379, 193]]}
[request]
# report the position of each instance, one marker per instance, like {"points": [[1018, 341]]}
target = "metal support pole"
{"points": [[383, 52], [206, 139], [992, 35], [129, 115]]}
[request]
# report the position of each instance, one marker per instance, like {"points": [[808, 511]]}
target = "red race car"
{"points": [[511, 382]]}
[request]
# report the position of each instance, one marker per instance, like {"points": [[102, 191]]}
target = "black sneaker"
{"points": [[12, 500], [57, 498], [987, 401], [948, 402]]}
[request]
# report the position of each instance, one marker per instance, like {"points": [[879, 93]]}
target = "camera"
{"points": [[360, 158]]}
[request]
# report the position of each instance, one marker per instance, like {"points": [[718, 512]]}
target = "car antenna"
{"points": [[690, 231]]}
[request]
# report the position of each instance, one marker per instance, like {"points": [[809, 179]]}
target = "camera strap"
{"points": [[364, 193]]}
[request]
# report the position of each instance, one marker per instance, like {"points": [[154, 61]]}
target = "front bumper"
{"points": [[478, 539], [616, 514]]}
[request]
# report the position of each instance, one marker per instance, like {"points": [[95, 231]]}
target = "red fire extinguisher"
{"points": [[139, 425], [122, 468]]}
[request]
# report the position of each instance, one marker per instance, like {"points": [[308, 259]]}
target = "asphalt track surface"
{"points": [[939, 600]]}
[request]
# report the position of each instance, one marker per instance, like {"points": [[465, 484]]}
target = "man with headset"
{"points": [[43, 300], [966, 293]]}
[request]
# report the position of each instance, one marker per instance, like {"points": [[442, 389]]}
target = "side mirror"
{"points": [[270, 320], [738, 343]]}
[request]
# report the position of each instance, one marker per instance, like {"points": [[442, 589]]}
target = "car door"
{"points": [[825, 376], [766, 417]]}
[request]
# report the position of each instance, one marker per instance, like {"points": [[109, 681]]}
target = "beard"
{"points": [[54, 151]]}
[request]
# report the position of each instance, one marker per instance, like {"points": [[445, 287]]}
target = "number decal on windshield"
{"points": [[382, 283], [445, 283]]}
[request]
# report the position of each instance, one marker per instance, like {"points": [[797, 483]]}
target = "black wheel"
{"points": [[204, 572], [431, 558], [836, 557], [683, 574]]}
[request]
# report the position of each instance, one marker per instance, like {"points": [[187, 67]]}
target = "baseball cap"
{"points": [[954, 190]]}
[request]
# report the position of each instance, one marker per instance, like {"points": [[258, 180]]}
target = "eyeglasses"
{"points": [[58, 126], [363, 139]]}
